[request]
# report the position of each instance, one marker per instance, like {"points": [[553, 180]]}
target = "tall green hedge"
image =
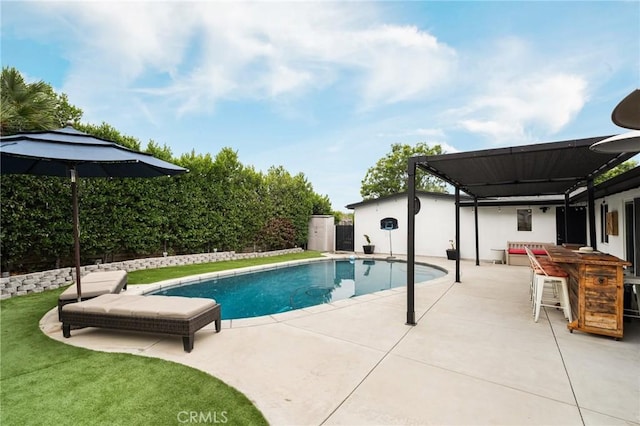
{"points": [[220, 204]]}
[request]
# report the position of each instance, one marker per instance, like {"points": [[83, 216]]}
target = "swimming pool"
{"points": [[287, 288]]}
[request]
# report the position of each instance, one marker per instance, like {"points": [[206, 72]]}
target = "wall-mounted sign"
{"points": [[612, 223]]}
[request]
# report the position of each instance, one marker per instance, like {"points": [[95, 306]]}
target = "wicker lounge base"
{"points": [[94, 284], [181, 316]]}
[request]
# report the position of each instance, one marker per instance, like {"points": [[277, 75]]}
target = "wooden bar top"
{"points": [[564, 255]]}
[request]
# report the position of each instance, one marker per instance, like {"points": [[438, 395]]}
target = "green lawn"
{"points": [[147, 276], [43, 381]]}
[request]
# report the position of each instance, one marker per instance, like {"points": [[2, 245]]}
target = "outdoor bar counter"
{"points": [[595, 289]]}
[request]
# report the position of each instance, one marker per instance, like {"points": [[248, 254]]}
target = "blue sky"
{"points": [[325, 88]]}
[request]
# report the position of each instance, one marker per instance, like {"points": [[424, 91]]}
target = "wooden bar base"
{"points": [[595, 290]]}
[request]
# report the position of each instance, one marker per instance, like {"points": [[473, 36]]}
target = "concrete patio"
{"points": [[475, 357]]}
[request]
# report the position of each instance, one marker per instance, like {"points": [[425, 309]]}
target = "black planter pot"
{"points": [[452, 254], [368, 249]]}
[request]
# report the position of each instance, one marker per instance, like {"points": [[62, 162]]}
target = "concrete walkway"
{"points": [[476, 357]]}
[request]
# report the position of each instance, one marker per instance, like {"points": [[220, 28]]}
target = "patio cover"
{"points": [[541, 169], [531, 170]]}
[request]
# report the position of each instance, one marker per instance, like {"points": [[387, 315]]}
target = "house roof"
{"points": [[623, 182], [403, 195], [531, 170]]}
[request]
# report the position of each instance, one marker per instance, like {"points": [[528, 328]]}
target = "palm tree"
{"points": [[25, 107]]}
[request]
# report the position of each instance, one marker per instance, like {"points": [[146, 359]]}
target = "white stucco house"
{"points": [[435, 225], [533, 219]]}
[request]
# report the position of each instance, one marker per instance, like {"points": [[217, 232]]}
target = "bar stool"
{"points": [[634, 282], [549, 274], [537, 264]]}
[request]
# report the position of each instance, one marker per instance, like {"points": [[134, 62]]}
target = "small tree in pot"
{"points": [[368, 248], [452, 253]]}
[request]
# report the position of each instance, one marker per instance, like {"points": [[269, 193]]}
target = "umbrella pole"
{"points": [[76, 228]]}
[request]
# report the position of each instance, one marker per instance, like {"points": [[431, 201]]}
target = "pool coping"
{"points": [[144, 289], [467, 350]]}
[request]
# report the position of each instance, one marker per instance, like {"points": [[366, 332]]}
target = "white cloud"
{"points": [[498, 130], [203, 52], [158, 66], [156, 59], [448, 149], [516, 92], [129, 39], [402, 63], [545, 103]]}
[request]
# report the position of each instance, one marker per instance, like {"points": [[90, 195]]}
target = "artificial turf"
{"points": [[147, 276]]}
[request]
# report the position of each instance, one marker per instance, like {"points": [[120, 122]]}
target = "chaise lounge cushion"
{"points": [[174, 315], [136, 306], [97, 283]]}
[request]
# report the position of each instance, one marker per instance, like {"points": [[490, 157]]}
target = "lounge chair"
{"points": [[92, 285], [175, 315]]}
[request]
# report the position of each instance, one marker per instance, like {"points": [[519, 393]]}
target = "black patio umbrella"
{"points": [[70, 153]]}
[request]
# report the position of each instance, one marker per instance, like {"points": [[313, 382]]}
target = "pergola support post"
{"points": [[475, 217], [411, 252], [566, 217], [593, 238], [457, 234]]}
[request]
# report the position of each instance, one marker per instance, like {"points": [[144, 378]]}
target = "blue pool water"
{"points": [[285, 289]]}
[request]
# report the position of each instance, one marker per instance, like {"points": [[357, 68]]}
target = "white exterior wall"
{"points": [[498, 225], [435, 226], [367, 221], [616, 245]]}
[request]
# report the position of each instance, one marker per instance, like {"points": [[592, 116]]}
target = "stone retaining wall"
{"points": [[20, 285]]}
